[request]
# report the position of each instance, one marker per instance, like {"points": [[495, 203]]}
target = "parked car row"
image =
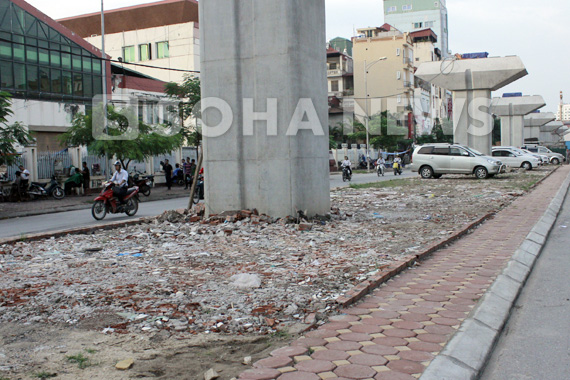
{"points": [[435, 160]]}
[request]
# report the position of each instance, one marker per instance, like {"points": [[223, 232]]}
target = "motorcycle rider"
{"points": [[347, 164], [381, 162], [120, 179]]}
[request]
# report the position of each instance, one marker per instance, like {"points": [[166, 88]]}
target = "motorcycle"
{"points": [[199, 192], [144, 184], [397, 168], [47, 189], [106, 202], [380, 170], [346, 176]]}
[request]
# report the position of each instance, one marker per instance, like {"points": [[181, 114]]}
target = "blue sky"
{"points": [[534, 30]]}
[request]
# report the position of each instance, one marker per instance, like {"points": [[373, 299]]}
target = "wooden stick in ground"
{"points": [[195, 180]]}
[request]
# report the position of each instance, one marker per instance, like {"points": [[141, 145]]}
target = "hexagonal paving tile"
{"points": [[315, 366], [289, 351], [344, 346], [355, 371], [330, 355], [368, 360], [355, 337], [273, 362], [299, 376], [393, 375], [406, 366], [260, 374], [380, 350]]}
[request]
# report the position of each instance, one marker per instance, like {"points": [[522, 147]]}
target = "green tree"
{"points": [[441, 133], [138, 142], [10, 135], [386, 132], [188, 94]]}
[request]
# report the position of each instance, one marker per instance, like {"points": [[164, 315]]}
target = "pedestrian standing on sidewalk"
{"points": [[567, 155], [86, 178], [187, 168], [167, 173]]}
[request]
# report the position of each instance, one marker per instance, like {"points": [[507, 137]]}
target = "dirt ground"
{"points": [[66, 314]]}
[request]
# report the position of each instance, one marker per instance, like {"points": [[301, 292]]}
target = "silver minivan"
{"points": [[434, 160]]}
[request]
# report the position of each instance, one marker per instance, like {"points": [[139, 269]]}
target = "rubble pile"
{"points": [[237, 272]]}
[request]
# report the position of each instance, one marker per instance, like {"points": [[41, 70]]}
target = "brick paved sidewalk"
{"points": [[395, 332]]}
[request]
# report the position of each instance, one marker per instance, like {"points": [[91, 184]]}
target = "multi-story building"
{"points": [[384, 66], [430, 102], [164, 34], [413, 15], [563, 113], [51, 72], [340, 84]]}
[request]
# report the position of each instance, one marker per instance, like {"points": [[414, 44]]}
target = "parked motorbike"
{"points": [[380, 170], [199, 192], [106, 202], [397, 168], [144, 183], [346, 176], [47, 189]]}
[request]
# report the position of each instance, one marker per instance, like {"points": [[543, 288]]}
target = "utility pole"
{"points": [[104, 73]]}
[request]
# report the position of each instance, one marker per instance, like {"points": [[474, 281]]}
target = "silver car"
{"points": [[434, 160]]}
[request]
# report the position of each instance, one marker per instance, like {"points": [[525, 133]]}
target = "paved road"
{"points": [[536, 342], [17, 227], [336, 179]]}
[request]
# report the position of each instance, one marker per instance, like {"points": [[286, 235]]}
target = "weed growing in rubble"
{"points": [[281, 334], [384, 184], [90, 350], [81, 361], [40, 375]]}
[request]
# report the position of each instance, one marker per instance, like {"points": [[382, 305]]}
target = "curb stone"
{"points": [[466, 354]]}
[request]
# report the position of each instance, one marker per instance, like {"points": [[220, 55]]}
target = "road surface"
{"points": [[18, 227], [535, 344]]}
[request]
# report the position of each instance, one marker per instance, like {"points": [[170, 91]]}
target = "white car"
{"points": [[544, 159], [515, 159], [524, 153]]}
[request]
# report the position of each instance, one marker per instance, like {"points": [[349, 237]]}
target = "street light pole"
{"points": [[366, 67]]}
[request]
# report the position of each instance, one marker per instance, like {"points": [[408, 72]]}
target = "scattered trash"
{"points": [[123, 365]]}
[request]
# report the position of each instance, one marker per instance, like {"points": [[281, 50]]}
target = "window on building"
{"points": [[332, 66], [398, 51], [6, 75], [418, 25], [398, 75], [436, 4], [399, 98], [144, 52], [407, 7], [429, 24], [334, 86], [129, 54], [162, 50], [391, 9]]}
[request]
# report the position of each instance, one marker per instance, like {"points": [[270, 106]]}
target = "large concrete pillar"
{"points": [[265, 60], [512, 111], [548, 133], [534, 121], [472, 81]]}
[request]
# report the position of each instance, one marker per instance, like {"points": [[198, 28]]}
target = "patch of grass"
{"points": [[40, 375], [90, 350], [81, 360], [23, 237], [281, 334], [384, 184]]}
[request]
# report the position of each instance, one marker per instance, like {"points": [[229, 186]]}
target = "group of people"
{"points": [[380, 161], [184, 171], [78, 178]]}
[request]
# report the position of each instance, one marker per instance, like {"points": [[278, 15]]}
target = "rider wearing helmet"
{"points": [[120, 179]]}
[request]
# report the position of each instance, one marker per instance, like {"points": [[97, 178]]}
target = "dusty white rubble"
{"points": [[247, 276]]}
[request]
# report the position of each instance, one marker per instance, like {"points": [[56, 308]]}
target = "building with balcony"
{"points": [[431, 103], [340, 85], [164, 34], [384, 66], [414, 15]]}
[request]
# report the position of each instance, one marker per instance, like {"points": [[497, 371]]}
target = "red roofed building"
{"points": [[164, 34]]}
